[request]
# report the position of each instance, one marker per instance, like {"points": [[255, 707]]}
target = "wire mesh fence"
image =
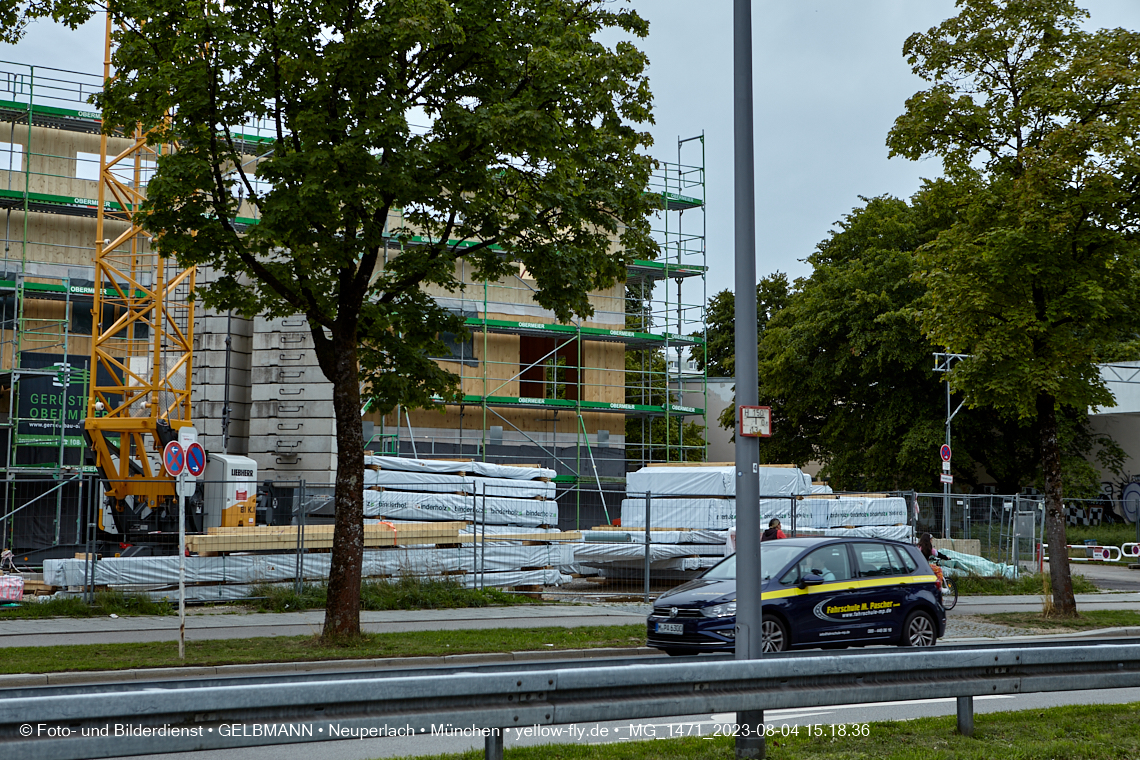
{"points": [[533, 536]]}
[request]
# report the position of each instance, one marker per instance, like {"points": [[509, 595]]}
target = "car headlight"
{"points": [[720, 610]]}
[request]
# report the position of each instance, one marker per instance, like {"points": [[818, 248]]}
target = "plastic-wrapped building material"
{"points": [[252, 569], [404, 505], [820, 488], [631, 557], [714, 481], [485, 469], [550, 577], [700, 536], [431, 482], [699, 513], [858, 511]]}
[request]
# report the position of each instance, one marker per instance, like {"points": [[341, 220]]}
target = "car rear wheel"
{"points": [[775, 635], [919, 630]]}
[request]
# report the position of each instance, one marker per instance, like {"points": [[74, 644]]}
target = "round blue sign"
{"points": [[945, 452], [173, 458], [195, 459]]}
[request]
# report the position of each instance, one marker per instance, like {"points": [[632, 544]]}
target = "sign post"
{"points": [[174, 460]]}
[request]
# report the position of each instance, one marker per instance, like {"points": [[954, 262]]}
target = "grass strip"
{"points": [[106, 603], [403, 593], [1087, 621], [164, 654], [1079, 732], [1027, 584]]}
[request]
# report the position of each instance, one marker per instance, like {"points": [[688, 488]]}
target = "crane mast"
{"points": [[142, 337]]}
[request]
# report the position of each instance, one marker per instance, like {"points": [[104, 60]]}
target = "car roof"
{"points": [[806, 541]]}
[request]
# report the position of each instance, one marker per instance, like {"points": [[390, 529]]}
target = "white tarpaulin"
{"points": [[469, 580], [632, 556], [699, 536], [714, 481], [486, 469], [273, 568], [442, 506], [431, 482], [857, 511], [709, 514]]}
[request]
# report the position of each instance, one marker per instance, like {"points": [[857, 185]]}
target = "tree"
{"points": [[1035, 121], [849, 374], [527, 154], [719, 357]]}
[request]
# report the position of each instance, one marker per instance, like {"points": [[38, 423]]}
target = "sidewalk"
{"points": [[227, 624]]}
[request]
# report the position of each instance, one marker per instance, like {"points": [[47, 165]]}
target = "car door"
{"points": [[817, 612], [881, 589]]}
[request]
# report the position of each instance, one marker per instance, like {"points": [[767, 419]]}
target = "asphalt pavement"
{"points": [[226, 623]]}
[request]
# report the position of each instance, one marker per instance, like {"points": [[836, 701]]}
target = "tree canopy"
{"points": [[408, 136], [1036, 122]]}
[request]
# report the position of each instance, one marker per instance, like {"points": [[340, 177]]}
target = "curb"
{"points": [[18, 680], [1105, 633]]}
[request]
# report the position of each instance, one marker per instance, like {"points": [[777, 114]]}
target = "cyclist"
{"points": [[926, 546]]}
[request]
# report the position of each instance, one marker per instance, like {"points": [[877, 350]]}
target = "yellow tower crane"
{"points": [[142, 342]]}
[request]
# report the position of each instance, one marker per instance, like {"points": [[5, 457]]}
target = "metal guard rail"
{"points": [[545, 697]]}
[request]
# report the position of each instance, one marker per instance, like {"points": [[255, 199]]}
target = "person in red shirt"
{"points": [[773, 531]]}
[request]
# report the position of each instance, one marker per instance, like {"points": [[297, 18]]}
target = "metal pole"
{"points": [[648, 499], [181, 567], [792, 516], [749, 622], [301, 543], [966, 716], [946, 486], [493, 744]]}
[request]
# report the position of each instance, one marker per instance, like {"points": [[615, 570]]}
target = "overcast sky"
{"points": [[829, 81]]}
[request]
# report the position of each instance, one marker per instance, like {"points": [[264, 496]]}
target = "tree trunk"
{"points": [[342, 608], [1064, 603]]}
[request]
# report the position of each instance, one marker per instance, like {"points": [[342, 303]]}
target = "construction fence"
{"points": [[539, 537]]}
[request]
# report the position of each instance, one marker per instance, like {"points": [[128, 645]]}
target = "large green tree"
{"points": [[849, 373], [504, 130], [1036, 122]]}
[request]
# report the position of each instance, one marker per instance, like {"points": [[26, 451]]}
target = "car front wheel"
{"points": [[919, 630], [775, 635]]}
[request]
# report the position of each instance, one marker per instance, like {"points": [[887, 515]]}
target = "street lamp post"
{"points": [[749, 624]]}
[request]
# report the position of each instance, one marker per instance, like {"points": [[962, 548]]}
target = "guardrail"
{"points": [[104, 722]]}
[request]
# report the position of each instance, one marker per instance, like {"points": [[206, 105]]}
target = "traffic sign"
{"points": [[195, 459], [187, 434], [173, 459], [945, 452], [755, 421], [947, 478]]}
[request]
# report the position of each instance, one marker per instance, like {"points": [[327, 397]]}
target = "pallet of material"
{"points": [[567, 535], [284, 537]]}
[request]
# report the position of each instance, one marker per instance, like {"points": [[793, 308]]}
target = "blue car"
{"points": [[816, 592]]}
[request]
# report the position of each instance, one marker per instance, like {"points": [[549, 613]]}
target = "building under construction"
{"points": [[591, 400]]}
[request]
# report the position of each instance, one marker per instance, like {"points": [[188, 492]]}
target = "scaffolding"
{"points": [[593, 399], [548, 385], [46, 298]]}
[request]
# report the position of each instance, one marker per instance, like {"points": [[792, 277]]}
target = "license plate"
{"points": [[677, 628]]}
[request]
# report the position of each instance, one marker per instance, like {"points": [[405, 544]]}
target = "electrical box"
{"points": [[1025, 525], [230, 491]]}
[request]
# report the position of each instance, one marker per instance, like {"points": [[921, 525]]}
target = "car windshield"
{"points": [[774, 557]]}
